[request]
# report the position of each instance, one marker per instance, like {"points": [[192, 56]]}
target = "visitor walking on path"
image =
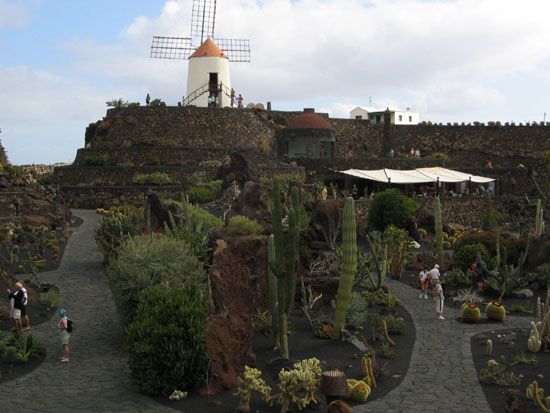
{"points": [[17, 297], [433, 276], [64, 334], [424, 283], [25, 322], [439, 300]]}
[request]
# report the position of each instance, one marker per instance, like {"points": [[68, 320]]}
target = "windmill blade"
{"points": [[203, 18], [238, 50], [176, 48]]}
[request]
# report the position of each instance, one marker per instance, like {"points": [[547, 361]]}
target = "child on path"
{"points": [[439, 300], [64, 335], [424, 283]]}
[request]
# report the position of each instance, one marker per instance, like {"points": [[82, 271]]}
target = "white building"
{"points": [[376, 116], [208, 79]]}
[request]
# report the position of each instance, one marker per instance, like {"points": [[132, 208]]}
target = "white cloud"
{"points": [[13, 14]]}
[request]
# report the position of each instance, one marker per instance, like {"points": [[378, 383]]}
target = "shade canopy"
{"points": [[416, 176]]}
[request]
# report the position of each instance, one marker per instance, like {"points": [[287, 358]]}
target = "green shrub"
{"points": [[166, 339], [113, 231], [99, 160], [51, 298], [458, 279], [24, 347], [241, 225], [488, 239], [441, 156], [120, 103], [190, 231], [154, 178], [396, 325], [543, 275], [201, 195], [391, 207], [150, 260], [467, 255], [206, 219], [12, 172], [46, 179]]}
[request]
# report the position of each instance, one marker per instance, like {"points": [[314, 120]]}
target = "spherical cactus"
{"points": [[495, 311], [470, 313], [351, 385], [360, 392]]}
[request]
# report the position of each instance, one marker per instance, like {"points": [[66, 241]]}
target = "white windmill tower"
{"points": [[208, 77]]}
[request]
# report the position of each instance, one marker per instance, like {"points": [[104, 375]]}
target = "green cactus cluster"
{"points": [[283, 269], [299, 385], [349, 265], [250, 382], [535, 393]]}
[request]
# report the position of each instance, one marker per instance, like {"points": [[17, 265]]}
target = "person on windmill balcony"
{"points": [[232, 96]]}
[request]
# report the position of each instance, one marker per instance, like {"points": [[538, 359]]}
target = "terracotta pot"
{"points": [[334, 383]]}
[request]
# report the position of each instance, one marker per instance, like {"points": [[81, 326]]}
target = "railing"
{"points": [[221, 88]]}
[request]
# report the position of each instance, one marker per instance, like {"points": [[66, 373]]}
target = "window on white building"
{"points": [[400, 118], [410, 119]]}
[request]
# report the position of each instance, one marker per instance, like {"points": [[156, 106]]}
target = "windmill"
{"points": [[208, 79]]}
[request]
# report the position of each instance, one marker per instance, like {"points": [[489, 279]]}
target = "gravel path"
{"points": [[441, 376], [97, 377]]}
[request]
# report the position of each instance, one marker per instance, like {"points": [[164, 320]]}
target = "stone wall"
{"points": [[120, 175], [91, 197]]}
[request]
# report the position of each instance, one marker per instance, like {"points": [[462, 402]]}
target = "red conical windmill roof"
{"points": [[208, 49]]}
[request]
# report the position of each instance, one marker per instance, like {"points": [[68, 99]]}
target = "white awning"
{"points": [[416, 176]]}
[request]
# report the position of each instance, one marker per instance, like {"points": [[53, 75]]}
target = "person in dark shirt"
{"points": [[18, 296]]}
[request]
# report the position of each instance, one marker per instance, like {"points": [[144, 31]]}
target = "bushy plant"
{"points": [[150, 260], [395, 325], [399, 249], [51, 298], [207, 220], [241, 225], [153, 178], [391, 207], [458, 279], [12, 172], [467, 255], [121, 103], [24, 347], [46, 179], [113, 231], [99, 160], [166, 339], [201, 194]]}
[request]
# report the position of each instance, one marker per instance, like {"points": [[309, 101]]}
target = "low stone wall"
{"points": [[108, 196], [120, 175]]}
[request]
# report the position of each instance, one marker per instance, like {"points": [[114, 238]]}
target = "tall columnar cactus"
{"points": [[538, 219], [349, 264], [535, 393], [272, 282], [438, 230], [534, 343], [284, 271]]}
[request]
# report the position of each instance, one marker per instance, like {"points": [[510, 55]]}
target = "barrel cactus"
{"points": [[470, 313], [360, 392], [495, 311]]}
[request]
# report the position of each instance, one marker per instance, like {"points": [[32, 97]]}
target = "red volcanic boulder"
{"points": [[239, 290]]}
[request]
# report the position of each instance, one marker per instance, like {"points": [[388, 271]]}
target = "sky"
{"points": [[450, 60]]}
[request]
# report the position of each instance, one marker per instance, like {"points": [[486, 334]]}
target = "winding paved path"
{"points": [[97, 377], [441, 376]]}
